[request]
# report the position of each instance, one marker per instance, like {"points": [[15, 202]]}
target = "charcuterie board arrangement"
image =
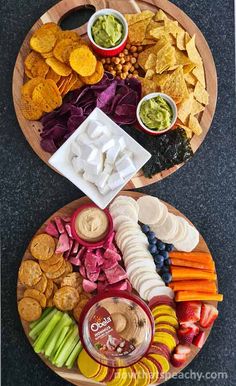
{"points": [[124, 296], [144, 64]]}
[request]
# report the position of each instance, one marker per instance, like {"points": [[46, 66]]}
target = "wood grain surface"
{"points": [[31, 129], [73, 375]]}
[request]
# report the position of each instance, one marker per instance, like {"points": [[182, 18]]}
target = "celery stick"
{"points": [[63, 336], [34, 333], [42, 338], [45, 313], [67, 348], [52, 340], [73, 355]]}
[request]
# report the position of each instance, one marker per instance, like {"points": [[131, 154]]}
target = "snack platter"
{"points": [[84, 259], [195, 105]]}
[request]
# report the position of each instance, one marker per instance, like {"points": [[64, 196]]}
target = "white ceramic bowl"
{"points": [[113, 50], [172, 104]]}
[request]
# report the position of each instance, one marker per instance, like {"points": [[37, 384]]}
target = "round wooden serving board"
{"points": [[31, 129], [73, 375]]}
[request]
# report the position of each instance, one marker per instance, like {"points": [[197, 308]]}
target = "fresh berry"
{"points": [[194, 327], [152, 241], [151, 235], [208, 315], [183, 349], [169, 247], [145, 228], [177, 360], [160, 245], [152, 249], [165, 269], [167, 277], [159, 259], [158, 267], [165, 254], [200, 339], [167, 262], [185, 335], [188, 311]]}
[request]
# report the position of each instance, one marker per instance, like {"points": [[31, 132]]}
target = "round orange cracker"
{"points": [[56, 274], [29, 309], [60, 68], [96, 76], [66, 298], [47, 95], [49, 289], [73, 279], [30, 273], [50, 302], [42, 246], [63, 49], [28, 88], [56, 257], [30, 109], [37, 295], [43, 40], [51, 268], [42, 284], [78, 309], [68, 269], [83, 61], [52, 75]]}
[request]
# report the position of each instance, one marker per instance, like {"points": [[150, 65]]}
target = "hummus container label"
{"points": [[116, 330]]}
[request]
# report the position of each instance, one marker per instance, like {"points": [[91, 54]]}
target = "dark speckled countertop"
{"points": [[204, 190]]}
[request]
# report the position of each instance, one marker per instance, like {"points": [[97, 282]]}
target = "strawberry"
{"points": [[183, 349], [208, 315], [185, 335], [192, 325], [188, 311], [199, 340], [177, 360]]}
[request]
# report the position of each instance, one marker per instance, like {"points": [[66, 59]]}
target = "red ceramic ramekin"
{"points": [[85, 243], [113, 51]]}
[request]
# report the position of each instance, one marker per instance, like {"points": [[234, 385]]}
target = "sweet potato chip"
{"points": [[175, 86], [51, 268], [52, 27], [47, 55], [47, 95], [58, 67], [184, 109], [58, 273], [53, 75], [31, 58], [28, 88], [29, 309], [63, 49], [133, 18], [29, 273], [68, 35], [28, 73], [194, 125], [83, 61], [30, 109], [42, 284], [96, 76], [37, 295], [78, 83], [73, 279], [49, 289], [43, 40], [201, 94], [42, 247], [196, 107], [192, 51], [66, 298], [73, 77]]}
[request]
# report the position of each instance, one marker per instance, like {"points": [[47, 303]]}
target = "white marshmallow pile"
{"points": [[102, 158]]}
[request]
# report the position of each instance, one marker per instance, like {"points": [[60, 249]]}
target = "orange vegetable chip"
{"points": [[83, 61], [30, 109], [46, 55], [66, 298], [63, 49], [29, 309], [28, 73], [52, 27], [72, 79], [37, 295], [29, 273], [43, 40], [68, 35], [36, 65], [47, 95], [42, 284], [28, 88], [96, 77], [42, 246], [78, 83], [59, 67], [53, 75]]}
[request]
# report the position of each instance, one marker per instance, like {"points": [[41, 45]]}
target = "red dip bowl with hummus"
{"points": [[116, 328], [91, 226]]}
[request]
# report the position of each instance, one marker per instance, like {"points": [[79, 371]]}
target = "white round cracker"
{"points": [[181, 231], [144, 266], [151, 209], [158, 291], [167, 229], [120, 220], [144, 287], [126, 210], [190, 242], [125, 199]]}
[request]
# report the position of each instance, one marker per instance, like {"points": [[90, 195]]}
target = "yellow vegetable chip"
{"points": [[160, 79], [31, 58], [184, 109], [77, 84], [175, 86], [96, 76], [68, 35], [196, 107], [28, 73], [63, 49], [83, 61], [46, 55], [58, 67], [30, 109], [29, 309], [187, 37], [192, 51], [28, 88], [52, 27], [201, 94], [194, 125], [43, 40], [133, 18], [47, 95], [182, 59]]}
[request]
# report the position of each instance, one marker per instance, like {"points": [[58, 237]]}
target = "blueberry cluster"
{"points": [[160, 252]]}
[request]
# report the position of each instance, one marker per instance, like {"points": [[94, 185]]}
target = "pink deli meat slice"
{"points": [[52, 230], [63, 243]]}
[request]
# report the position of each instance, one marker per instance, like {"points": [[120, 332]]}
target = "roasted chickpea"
{"points": [[108, 60], [133, 49], [135, 54], [121, 55], [140, 48], [122, 60], [110, 68], [123, 75], [119, 67], [127, 58], [128, 46], [118, 72], [135, 73], [117, 60], [113, 72], [103, 60], [126, 52], [129, 76], [133, 60], [136, 66], [125, 68], [132, 69]]}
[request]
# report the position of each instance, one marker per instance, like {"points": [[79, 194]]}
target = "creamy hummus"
{"points": [[91, 224]]}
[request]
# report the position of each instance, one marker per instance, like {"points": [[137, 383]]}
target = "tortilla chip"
{"points": [[160, 79], [188, 68], [160, 15], [194, 125], [148, 86], [175, 86], [182, 59], [172, 27], [192, 51], [201, 94], [199, 73], [151, 61], [83, 61], [197, 107], [180, 40], [165, 58], [187, 37], [137, 31], [133, 18], [153, 24], [184, 109], [149, 74], [190, 79]]}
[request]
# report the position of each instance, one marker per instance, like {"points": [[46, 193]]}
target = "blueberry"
{"points": [[152, 248], [167, 277], [165, 269], [159, 259], [165, 254], [167, 262], [152, 241], [158, 267], [169, 247], [161, 246], [151, 235], [145, 228]]}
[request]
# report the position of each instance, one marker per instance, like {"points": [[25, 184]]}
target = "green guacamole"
{"points": [[156, 113], [107, 31]]}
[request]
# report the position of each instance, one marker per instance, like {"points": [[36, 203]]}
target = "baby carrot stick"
{"points": [[200, 257], [194, 285], [182, 296], [179, 273], [192, 264]]}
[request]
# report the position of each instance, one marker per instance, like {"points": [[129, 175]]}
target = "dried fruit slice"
{"points": [[37, 295], [29, 273], [42, 247], [60, 68], [42, 284], [29, 309], [66, 298], [83, 61]]}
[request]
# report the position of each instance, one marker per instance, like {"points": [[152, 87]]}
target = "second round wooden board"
{"points": [[73, 375], [31, 129]]}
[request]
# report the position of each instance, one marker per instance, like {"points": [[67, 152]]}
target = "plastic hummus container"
{"points": [[116, 328]]}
